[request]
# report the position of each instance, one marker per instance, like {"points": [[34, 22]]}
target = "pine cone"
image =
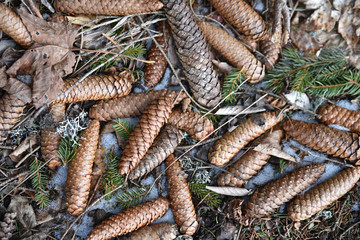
{"points": [[267, 199], [180, 197], [325, 139], [232, 142], [80, 169], [163, 146], [275, 102], [97, 87], [242, 16], [198, 126], [248, 164], [239, 55], [153, 72], [50, 140], [130, 219], [271, 48], [132, 105], [319, 197], [107, 7], [145, 132], [159, 231], [332, 114], [8, 226], [11, 109], [193, 53], [11, 24]]}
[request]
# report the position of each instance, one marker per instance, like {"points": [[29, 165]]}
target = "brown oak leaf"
{"points": [[48, 60]]}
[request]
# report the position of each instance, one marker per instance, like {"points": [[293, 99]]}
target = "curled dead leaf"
{"points": [[234, 110], [274, 151], [230, 191]]}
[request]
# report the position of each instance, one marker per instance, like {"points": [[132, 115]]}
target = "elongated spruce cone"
{"points": [[130, 219], [163, 146], [193, 53], [322, 195], [50, 140], [248, 164], [232, 142], [239, 55], [332, 114], [242, 16], [325, 139], [267, 199], [132, 105], [80, 169], [107, 7], [97, 87], [198, 126], [11, 109], [153, 72], [145, 132], [271, 48], [11, 24], [159, 231], [180, 197]]}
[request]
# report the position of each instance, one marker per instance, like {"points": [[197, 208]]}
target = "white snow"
{"points": [[59, 178], [108, 141]]}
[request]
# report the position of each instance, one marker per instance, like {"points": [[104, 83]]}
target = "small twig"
{"points": [[27, 156], [203, 143], [331, 160], [8, 147], [347, 230]]}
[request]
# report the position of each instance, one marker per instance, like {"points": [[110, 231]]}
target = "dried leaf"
{"points": [[28, 143], [304, 41], [49, 59], [83, 19], [230, 191], [298, 99], [324, 18], [24, 211], [159, 231], [349, 25], [234, 110], [274, 151], [313, 4], [223, 67]]}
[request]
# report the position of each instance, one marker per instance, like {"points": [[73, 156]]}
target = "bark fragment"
{"points": [[332, 114], [325, 139], [80, 169], [234, 51], [267, 199], [11, 24], [130, 219], [193, 53], [132, 105], [243, 17], [319, 197], [232, 142], [107, 7], [180, 197], [163, 146]]}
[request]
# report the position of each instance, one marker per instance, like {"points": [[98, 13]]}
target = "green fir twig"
{"points": [[39, 181], [131, 196], [67, 150], [111, 178], [210, 198], [123, 128], [231, 84]]}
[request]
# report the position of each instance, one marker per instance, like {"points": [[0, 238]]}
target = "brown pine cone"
{"points": [[319, 197], [50, 140], [198, 126], [193, 53], [271, 48], [153, 72], [243, 17], [232, 142], [180, 197], [11, 24], [80, 169], [163, 146], [275, 102], [107, 7], [248, 164], [132, 105], [239, 55], [8, 226], [325, 139], [145, 132], [332, 114], [159, 231], [130, 219], [11, 109], [267, 199], [97, 87]]}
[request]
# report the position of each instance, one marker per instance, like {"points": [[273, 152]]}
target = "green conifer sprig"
{"points": [[123, 128], [131, 196], [231, 84], [210, 198], [39, 181], [67, 150], [112, 179], [325, 75], [135, 50]]}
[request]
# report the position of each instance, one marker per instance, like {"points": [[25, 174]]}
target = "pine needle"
{"points": [[123, 128], [39, 182]]}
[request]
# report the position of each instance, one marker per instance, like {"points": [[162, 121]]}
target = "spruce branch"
{"points": [[112, 179], [39, 181], [135, 51], [231, 84], [67, 150], [210, 198], [131, 196], [123, 128]]}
